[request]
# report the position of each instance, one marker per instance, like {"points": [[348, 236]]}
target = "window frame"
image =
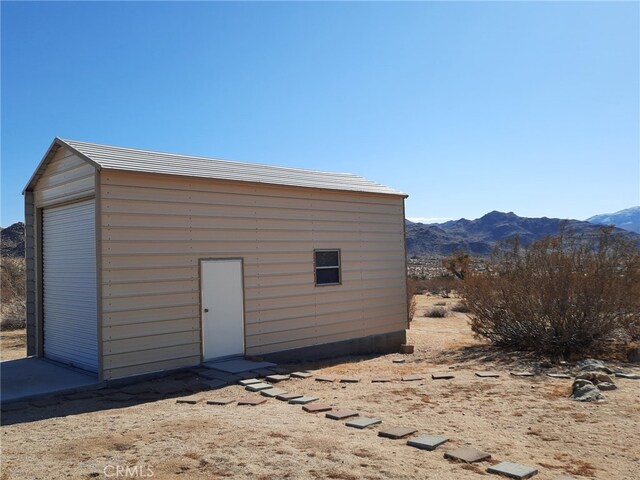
{"points": [[316, 267]]}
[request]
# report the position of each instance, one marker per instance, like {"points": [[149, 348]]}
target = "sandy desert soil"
{"points": [[524, 420], [13, 344]]}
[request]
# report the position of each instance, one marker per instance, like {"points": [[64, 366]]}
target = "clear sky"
{"points": [[467, 107]]}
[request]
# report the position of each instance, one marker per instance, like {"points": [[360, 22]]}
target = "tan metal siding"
{"points": [[31, 265], [66, 178], [155, 228]]}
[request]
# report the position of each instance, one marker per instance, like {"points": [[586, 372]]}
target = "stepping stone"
{"points": [[467, 454], [397, 432], [189, 400], [427, 442], [252, 401], [301, 375], [629, 376], [381, 379], [272, 392], [349, 380], [220, 401], [487, 375], [256, 387], [317, 407], [325, 379], [523, 374], [341, 414], [288, 396], [363, 422], [412, 378], [302, 400], [558, 375], [442, 376], [399, 360], [249, 381], [513, 470], [276, 378]]}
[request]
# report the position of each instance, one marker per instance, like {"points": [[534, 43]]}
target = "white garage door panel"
{"points": [[69, 284]]}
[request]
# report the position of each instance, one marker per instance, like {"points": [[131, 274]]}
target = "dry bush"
{"points": [[436, 312], [12, 293], [460, 307], [563, 295], [412, 287], [442, 286]]}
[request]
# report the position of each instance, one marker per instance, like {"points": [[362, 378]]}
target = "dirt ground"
{"points": [[13, 344], [523, 420]]}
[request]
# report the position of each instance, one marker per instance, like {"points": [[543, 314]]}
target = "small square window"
{"points": [[327, 267]]}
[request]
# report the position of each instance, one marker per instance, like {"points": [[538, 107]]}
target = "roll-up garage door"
{"points": [[69, 284]]}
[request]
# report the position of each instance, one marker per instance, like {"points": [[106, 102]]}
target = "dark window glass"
{"points": [[327, 275], [327, 259], [327, 265]]}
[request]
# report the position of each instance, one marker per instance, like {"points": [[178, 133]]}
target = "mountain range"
{"points": [[629, 219], [476, 237], [12, 240]]}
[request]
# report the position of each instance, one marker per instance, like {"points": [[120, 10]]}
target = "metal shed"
{"points": [[142, 261]]}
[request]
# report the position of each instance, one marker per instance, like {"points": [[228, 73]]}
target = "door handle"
{"points": [[206, 310]]}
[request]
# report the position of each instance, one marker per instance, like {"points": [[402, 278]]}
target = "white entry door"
{"points": [[222, 308]]}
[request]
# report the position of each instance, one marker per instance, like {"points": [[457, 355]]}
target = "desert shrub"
{"points": [[12, 293], [562, 295], [442, 285], [460, 307], [412, 287], [436, 312]]}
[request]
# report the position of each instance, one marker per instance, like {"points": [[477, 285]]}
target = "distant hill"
{"points": [[479, 237], [12, 240], [628, 219]]}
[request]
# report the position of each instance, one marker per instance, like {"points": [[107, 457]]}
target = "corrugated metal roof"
{"points": [[129, 159]]}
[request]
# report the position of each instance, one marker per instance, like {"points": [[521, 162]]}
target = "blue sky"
{"points": [[468, 107]]}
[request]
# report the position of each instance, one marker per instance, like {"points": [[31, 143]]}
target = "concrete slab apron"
{"points": [[238, 365], [32, 377]]}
